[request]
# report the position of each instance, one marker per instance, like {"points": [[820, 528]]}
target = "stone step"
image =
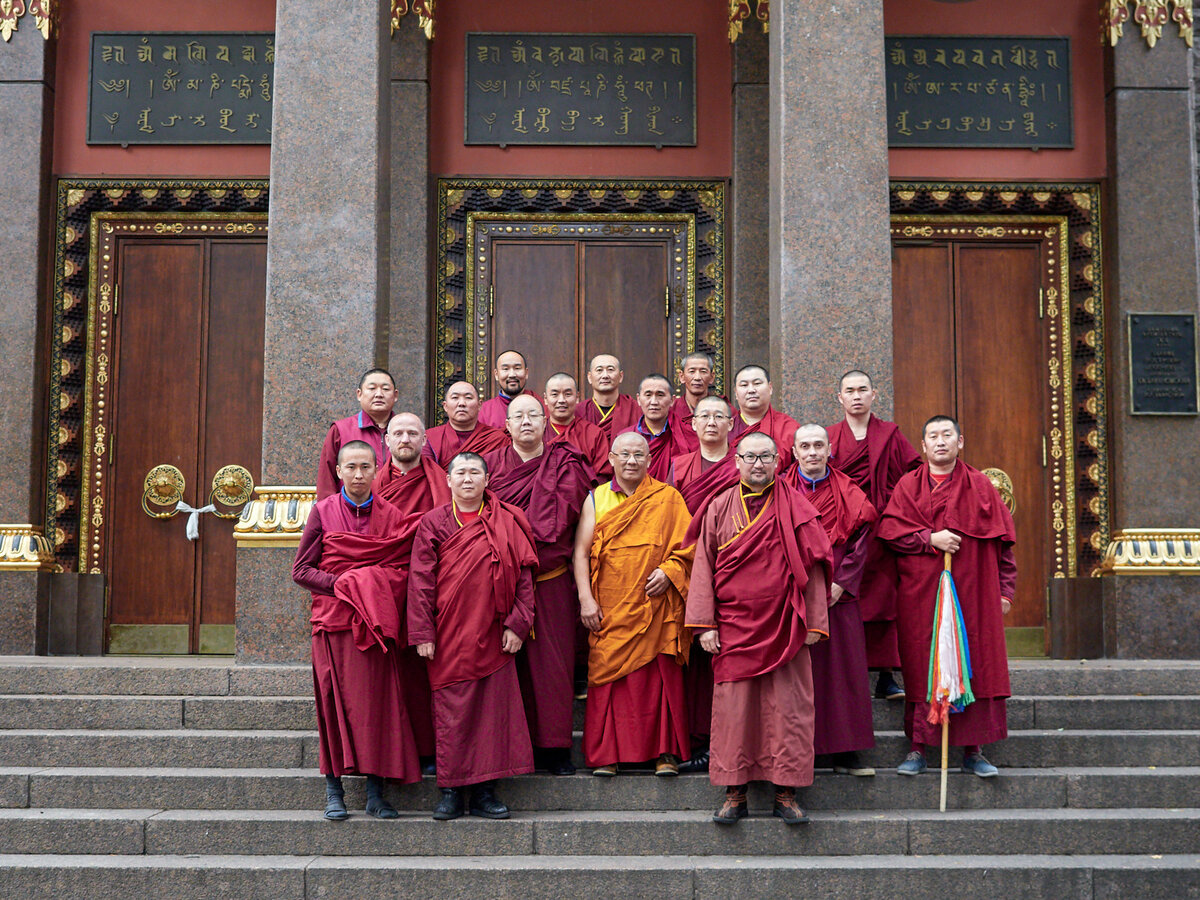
{"points": [[1098, 877], [296, 788], [669, 833]]}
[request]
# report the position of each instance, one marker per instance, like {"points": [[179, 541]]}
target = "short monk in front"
{"points": [[756, 415], [351, 557], [608, 407], [759, 600], [844, 723], [565, 424], [470, 608], [549, 483], [463, 432], [663, 437], [947, 507], [632, 578]]}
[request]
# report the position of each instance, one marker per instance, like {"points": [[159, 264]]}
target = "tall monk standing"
{"points": [[549, 483], [759, 599], [874, 454], [632, 581], [562, 403], [843, 701], [463, 432], [511, 373], [376, 396], [663, 438], [608, 407], [752, 385], [947, 507], [414, 484], [350, 557], [470, 608], [696, 375]]}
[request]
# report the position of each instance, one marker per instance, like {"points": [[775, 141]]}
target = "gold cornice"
{"points": [[1150, 15], [24, 548], [45, 16], [422, 9], [1152, 551], [275, 517]]}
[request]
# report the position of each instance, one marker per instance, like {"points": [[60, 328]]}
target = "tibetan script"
{"points": [[978, 91], [181, 88], [1162, 363], [632, 89]]}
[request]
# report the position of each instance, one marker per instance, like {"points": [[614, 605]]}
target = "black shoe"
{"points": [[786, 808], [377, 807], [558, 761], [698, 763], [734, 807], [428, 766], [450, 806], [886, 688], [335, 799], [485, 804]]}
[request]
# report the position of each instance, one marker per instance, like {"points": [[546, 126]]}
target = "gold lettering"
{"points": [[114, 53]]}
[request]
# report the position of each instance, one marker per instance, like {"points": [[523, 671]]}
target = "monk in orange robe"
{"points": [[564, 424], [463, 432], [632, 580], [756, 415], [608, 407], [759, 599]]}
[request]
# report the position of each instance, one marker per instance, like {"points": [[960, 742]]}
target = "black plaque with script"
{"points": [[628, 89], [1162, 363], [978, 91]]}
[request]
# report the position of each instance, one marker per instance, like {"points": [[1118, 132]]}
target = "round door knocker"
{"points": [[231, 487], [1004, 486], [163, 487]]}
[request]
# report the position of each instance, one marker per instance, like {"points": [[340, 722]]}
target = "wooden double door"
{"points": [[186, 391], [971, 340]]}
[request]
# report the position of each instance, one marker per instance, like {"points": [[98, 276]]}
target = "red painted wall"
{"points": [[1076, 19], [73, 156], [710, 158]]}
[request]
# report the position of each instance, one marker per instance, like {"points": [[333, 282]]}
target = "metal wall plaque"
{"points": [[630, 89], [212, 87], [1162, 363], [979, 91]]}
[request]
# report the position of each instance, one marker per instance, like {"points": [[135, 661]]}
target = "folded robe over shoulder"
{"points": [[418, 491], [698, 484]]}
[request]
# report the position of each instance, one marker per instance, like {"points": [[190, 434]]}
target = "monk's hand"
{"points": [[835, 593], [425, 651], [946, 541], [1005, 606], [589, 613], [811, 638], [657, 583], [509, 642], [709, 641]]}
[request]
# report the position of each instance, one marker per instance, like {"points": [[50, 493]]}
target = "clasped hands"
{"points": [[509, 643]]}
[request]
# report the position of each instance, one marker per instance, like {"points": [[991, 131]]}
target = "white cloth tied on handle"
{"points": [[193, 522]]}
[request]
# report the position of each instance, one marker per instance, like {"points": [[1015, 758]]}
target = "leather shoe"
{"points": [[667, 764], [886, 687], [786, 808], [485, 804], [914, 764], [558, 761], [978, 765], [608, 771], [450, 806], [698, 763], [734, 807]]}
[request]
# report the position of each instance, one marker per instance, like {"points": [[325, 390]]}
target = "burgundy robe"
{"points": [[468, 583], [550, 489], [779, 426], [349, 559], [360, 427], [839, 665], [588, 438], [494, 412], [984, 570], [761, 578], [664, 446], [443, 442], [875, 464], [622, 415]]}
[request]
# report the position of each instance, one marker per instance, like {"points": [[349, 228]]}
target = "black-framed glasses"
{"points": [[751, 458]]}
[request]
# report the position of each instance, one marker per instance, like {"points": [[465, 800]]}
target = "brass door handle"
{"points": [[231, 486], [164, 486], [1004, 486]]}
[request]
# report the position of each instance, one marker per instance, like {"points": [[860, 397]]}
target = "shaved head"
{"points": [[406, 420], [761, 441], [604, 359], [460, 387], [714, 403], [630, 442], [812, 428], [561, 379], [524, 403]]}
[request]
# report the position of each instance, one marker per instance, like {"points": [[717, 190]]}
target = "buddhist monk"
{"points": [[510, 373], [608, 407], [947, 507], [349, 558], [470, 608], [874, 454], [759, 599], [414, 484], [463, 432], [753, 388], [549, 483], [695, 375], [376, 396], [632, 580], [562, 403], [839, 665], [654, 424]]}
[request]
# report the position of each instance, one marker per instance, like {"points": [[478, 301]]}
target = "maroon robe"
{"points": [[349, 558], [875, 464], [443, 442], [468, 583], [984, 570], [622, 415], [494, 412], [779, 426], [360, 427], [839, 665], [588, 438], [664, 446], [550, 489]]}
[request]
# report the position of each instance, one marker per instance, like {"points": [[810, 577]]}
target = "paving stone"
{"points": [[1135, 787], [153, 748], [153, 677], [275, 713], [1117, 713], [271, 681], [38, 711], [66, 831], [14, 787]]}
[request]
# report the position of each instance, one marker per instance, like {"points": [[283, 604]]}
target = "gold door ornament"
{"points": [[163, 487], [1004, 487]]}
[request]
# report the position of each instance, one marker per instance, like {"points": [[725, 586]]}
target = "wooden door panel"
{"points": [[923, 335], [624, 295], [151, 562], [1001, 400], [536, 309]]}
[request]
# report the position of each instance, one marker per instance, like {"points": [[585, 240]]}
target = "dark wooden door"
{"points": [[189, 358], [969, 341]]}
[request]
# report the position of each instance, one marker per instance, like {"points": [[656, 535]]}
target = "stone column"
{"points": [[830, 253], [26, 121], [1153, 256], [328, 277]]}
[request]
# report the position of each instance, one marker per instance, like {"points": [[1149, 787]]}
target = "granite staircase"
{"points": [[157, 778]]}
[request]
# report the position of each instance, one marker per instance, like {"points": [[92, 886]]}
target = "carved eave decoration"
{"points": [[422, 9], [1151, 15], [275, 517], [44, 12], [739, 12], [23, 548], [1152, 551]]}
